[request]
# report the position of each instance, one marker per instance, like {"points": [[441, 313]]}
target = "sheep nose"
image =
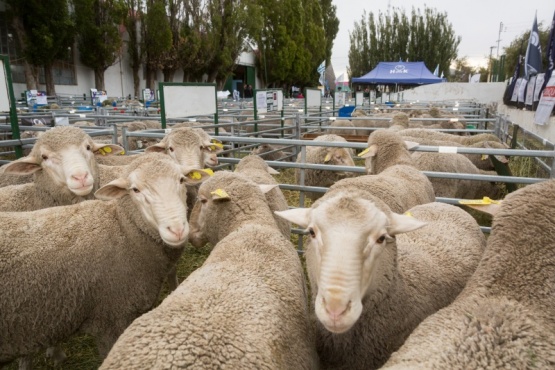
{"points": [[336, 308], [178, 231], [80, 178]]}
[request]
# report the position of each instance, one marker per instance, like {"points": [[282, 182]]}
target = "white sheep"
{"points": [[430, 134], [338, 128], [504, 318], [64, 167], [272, 152], [254, 168], [395, 178], [325, 155], [91, 267], [372, 284], [244, 308]]}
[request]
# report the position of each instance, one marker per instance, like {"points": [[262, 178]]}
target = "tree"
{"points": [[170, 59], [98, 34], [518, 47], [132, 26], [157, 39], [49, 34], [463, 71], [331, 25], [424, 36]]}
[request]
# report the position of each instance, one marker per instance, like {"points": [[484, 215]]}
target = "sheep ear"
{"points": [[299, 216], [411, 144], [266, 188], [271, 171], [113, 190], [220, 195], [490, 209], [369, 152], [194, 177], [399, 224], [157, 148], [107, 149], [24, 166], [328, 157]]}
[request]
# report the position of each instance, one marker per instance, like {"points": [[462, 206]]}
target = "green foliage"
{"points": [[49, 29], [518, 47], [423, 36], [331, 25], [462, 70], [157, 34], [98, 36]]}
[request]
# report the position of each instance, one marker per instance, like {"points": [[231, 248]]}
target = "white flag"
{"points": [[321, 68]]}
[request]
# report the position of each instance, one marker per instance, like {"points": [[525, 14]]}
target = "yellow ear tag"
{"points": [[217, 143], [328, 157], [484, 201], [208, 171], [408, 214], [101, 151], [122, 152], [220, 193], [107, 149], [195, 175], [364, 152], [484, 157]]}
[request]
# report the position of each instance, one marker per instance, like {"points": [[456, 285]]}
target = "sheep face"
{"points": [[187, 148], [158, 190], [66, 155], [351, 248]]}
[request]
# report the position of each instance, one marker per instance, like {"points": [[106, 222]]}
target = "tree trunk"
{"points": [[168, 74], [99, 78], [49, 80], [136, 81], [150, 78], [30, 80]]}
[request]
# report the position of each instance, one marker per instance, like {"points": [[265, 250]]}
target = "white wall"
{"points": [[484, 93]]}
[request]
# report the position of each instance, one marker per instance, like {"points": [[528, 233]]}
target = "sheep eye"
{"points": [[171, 149], [45, 157], [136, 190], [203, 200], [381, 239], [88, 147], [311, 232], [181, 180]]}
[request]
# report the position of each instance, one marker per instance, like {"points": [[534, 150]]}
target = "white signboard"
{"points": [[4, 95], [339, 99], [514, 97], [539, 83], [261, 102], [98, 96], [522, 90], [189, 100], [36, 97], [547, 101], [313, 98], [359, 98]]}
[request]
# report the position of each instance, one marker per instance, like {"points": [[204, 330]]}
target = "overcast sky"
{"points": [[476, 21]]}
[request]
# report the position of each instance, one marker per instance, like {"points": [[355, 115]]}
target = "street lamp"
{"points": [[264, 56], [490, 63]]}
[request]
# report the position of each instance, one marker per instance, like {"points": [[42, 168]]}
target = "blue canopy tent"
{"points": [[398, 73]]}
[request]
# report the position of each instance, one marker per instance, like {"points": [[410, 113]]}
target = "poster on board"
{"points": [[339, 99], [4, 95], [148, 95]]}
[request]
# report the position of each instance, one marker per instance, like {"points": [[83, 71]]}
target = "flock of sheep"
{"points": [[396, 279]]}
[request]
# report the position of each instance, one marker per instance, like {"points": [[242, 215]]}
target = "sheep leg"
{"points": [[56, 354], [26, 363], [172, 280]]}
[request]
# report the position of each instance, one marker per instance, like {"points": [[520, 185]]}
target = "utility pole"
{"points": [[498, 41], [490, 62]]}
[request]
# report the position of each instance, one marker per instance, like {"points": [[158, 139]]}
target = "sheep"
{"points": [[482, 162], [503, 319], [64, 167], [271, 152], [325, 155], [371, 283], [339, 130], [244, 308], [465, 140], [400, 121], [254, 168], [91, 267], [456, 188], [394, 176]]}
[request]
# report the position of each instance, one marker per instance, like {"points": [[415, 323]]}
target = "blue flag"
{"points": [[550, 54], [533, 59]]}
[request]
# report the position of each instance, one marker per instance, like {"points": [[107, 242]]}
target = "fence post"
{"points": [[515, 134]]}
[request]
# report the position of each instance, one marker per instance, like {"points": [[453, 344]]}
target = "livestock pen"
{"points": [[292, 140]]}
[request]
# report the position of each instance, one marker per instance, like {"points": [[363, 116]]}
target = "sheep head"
{"points": [[351, 248]]}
